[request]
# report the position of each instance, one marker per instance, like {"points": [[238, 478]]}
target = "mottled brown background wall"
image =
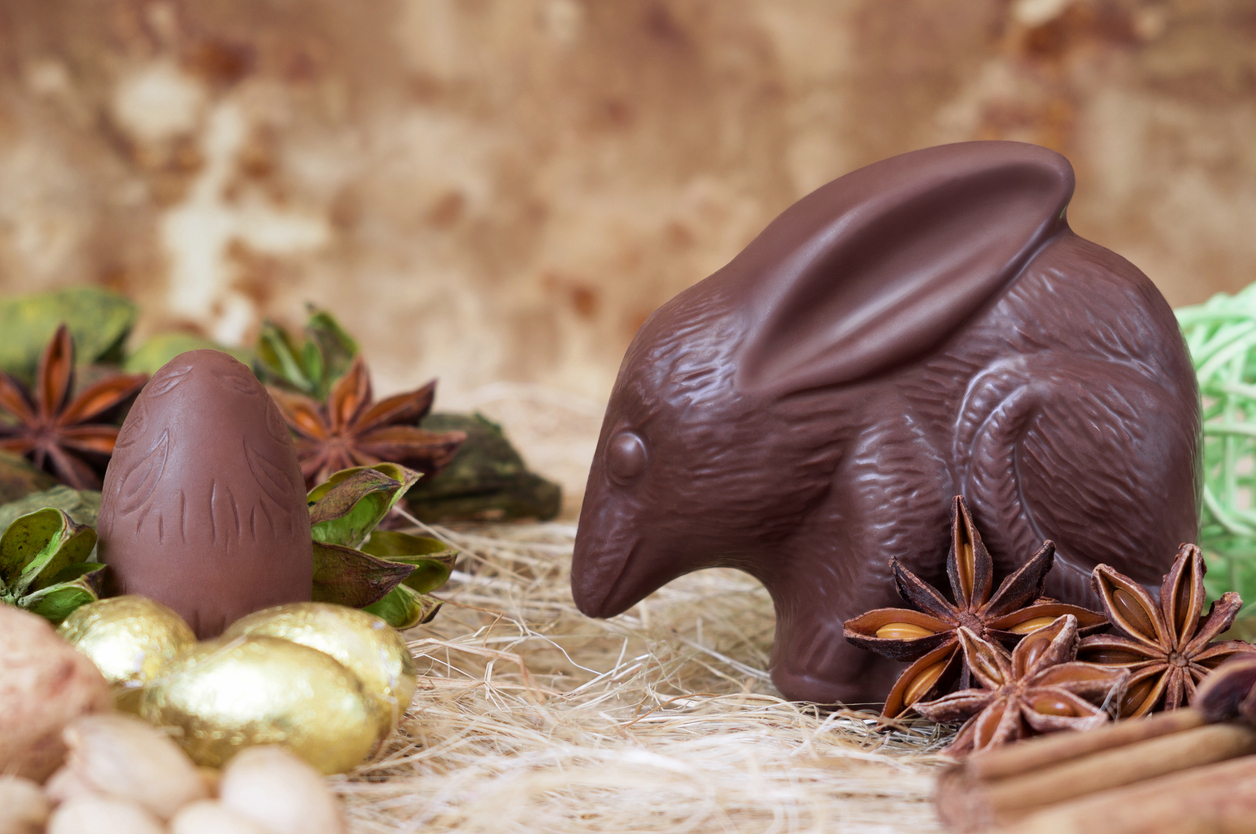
{"points": [[491, 190]]}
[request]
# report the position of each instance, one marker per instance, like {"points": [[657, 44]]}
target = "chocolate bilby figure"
{"points": [[923, 327], [203, 505]]}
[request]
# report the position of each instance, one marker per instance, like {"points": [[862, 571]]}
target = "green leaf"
{"points": [[95, 571], [388, 544], [29, 539], [311, 367], [277, 358], [407, 477], [404, 608], [77, 544], [39, 546], [160, 349], [336, 350], [348, 505], [57, 602], [429, 574], [350, 577], [82, 506], [351, 508], [98, 320], [312, 363], [395, 471], [432, 559]]}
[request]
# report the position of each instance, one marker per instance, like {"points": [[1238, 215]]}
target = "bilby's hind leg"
{"points": [[1060, 450]]}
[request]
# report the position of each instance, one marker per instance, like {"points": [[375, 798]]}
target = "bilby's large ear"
{"points": [[878, 267]]}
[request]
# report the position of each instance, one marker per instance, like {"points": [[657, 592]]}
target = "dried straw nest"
{"points": [[533, 718]]}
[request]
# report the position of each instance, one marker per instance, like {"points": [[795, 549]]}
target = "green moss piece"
{"points": [[487, 479]]}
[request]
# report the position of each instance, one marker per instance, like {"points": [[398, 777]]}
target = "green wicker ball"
{"points": [[1221, 335]]}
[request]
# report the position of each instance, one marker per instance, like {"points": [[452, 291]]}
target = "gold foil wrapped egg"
{"points": [[371, 648], [231, 693], [129, 638]]}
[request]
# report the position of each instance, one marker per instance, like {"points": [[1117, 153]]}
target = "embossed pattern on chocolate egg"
{"points": [[204, 505]]}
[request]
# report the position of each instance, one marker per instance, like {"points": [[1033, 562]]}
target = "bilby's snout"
{"points": [[597, 572]]}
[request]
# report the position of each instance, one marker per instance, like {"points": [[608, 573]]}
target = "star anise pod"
{"points": [[351, 429], [1168, 647], [1229, 691], [1040, 688], [64, 436], [929, 635]]}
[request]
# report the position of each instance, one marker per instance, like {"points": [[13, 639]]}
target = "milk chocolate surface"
{"points": [[925, 327], [204, 505]]}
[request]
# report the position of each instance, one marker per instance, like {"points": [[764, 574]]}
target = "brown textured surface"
{"points": [[923, 327], [204, 505], [504, 189]]}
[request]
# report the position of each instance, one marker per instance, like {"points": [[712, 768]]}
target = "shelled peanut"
{"points": [[123, 775]]}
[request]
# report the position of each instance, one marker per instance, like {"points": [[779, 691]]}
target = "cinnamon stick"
{"points": [[1206, 745], [1217, 799], [1035, 754], [1142, 750], [1190, 770]]}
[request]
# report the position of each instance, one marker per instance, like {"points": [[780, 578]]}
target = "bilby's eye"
{"points": [[626, 456]]}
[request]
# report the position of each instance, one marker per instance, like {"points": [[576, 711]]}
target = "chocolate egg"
{"points": [[366, 645], [129, 639], [228, 694], [204, 504]]}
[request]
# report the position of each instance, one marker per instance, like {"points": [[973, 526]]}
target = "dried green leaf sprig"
{"points": [[387, 573], [45, 567], [310, 367]]}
